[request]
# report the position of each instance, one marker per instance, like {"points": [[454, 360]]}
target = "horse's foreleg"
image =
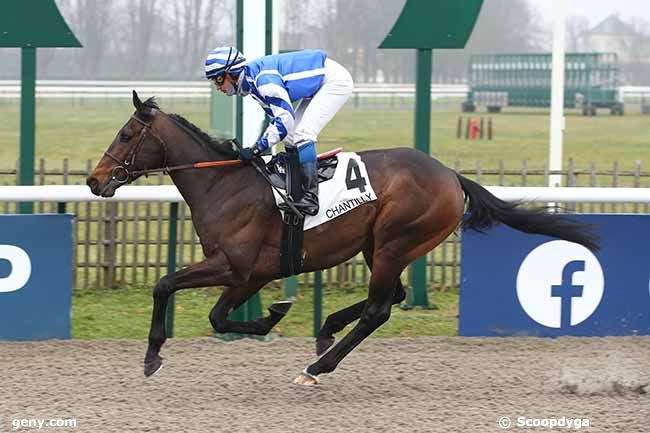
{"points": [[376, 312], [213, 271], [233, 297]]}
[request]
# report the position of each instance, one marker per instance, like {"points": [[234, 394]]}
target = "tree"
{"points": [[140, 17], [575, 27], [506, 26], [354, 30], [503, 26], [195, 25], [92, 23], [637, 70]]}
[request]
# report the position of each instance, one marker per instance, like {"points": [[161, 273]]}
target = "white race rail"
{"points": [[169, 193], [201, 89], [572, 194], [190, 89], [73, 193]]}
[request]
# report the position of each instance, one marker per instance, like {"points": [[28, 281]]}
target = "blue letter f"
{"points": [[567, 291]]}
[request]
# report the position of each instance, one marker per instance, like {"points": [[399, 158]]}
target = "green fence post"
{"points": [[171, 264], [291, 288], [251, 309], [419, 296], [318, 301], [239, 105], [27, 122], [268, 28], [240, 314], [428, 25]]}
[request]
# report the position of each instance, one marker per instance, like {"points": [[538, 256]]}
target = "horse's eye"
{"points": [[124, 137]]}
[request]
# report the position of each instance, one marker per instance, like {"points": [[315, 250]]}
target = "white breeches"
{"points": [[314, 113]]}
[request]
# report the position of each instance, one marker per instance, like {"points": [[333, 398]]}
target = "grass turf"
{"points": [[81, 131], [126, 313]]}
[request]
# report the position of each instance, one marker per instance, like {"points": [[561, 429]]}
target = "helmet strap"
{"points": [[238, 82]]}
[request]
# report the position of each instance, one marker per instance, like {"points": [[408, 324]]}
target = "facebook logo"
{"points": [[560, 284], [567, 291]]}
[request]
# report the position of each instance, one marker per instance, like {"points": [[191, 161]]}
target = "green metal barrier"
{"points": [[28, 24], [291, 288], [171, 264], [318, 301], [428, 25], [524, 80]]}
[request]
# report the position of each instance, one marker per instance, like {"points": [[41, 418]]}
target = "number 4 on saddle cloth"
{"points": [[343, 185]]}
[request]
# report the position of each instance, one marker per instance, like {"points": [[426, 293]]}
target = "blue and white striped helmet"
{"points": [[223, 59]]}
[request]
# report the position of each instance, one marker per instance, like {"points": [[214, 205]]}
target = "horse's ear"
{"points": [[137, 103]]}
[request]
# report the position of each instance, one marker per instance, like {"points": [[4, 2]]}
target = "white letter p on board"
{"points": [[21, 268]]}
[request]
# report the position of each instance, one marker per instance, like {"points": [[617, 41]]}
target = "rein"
{"points": [[123, 173], [208, 164], [205, 164]]}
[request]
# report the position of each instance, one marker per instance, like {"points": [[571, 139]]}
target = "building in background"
{"points": [[631, 46]]}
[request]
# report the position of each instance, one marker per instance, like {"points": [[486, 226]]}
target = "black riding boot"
{"points": [[308, 204]]}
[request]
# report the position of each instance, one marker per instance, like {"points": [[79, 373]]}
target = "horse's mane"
{"points": [[151, 103], [223, 148]]}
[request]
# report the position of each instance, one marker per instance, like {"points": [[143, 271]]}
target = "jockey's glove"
{"points": [[247, 154]]}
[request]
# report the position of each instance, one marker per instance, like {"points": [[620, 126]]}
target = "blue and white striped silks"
{"points": [[278, 80]]}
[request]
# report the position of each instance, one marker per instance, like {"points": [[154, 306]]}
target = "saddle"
{"points": [[277, 169]]}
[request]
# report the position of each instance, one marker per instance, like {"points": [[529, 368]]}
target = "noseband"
{"points": [[124, 172]]}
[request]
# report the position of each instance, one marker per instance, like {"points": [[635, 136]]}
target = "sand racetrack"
{"points": [[432, 384]]}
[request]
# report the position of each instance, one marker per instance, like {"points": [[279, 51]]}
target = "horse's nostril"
{"points": [[93, 183]]}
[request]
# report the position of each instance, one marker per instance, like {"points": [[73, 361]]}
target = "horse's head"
{"points": [[135, 148]]}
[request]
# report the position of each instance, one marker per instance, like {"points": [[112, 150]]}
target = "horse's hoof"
{"points": [[322, 344], [152, 367], [281, 307], [306, 379]]}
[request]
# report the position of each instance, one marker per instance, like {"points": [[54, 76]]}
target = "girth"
{"points": [[291, 255]]}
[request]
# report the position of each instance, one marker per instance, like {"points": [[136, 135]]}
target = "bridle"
{"points": [[126, 165], [124, 172]]}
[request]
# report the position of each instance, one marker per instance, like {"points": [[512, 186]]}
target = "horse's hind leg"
{"points": [[335, 322], [385, 275], [230, 299], [402, 239]]}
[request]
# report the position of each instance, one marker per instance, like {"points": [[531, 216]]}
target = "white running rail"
{"points": [[169, 193], [201, 89]]}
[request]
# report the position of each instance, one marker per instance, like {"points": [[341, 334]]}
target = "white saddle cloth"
{"points": [[348, 189]]}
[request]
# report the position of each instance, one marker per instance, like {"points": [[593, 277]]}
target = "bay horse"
{"points": [[420, 202]]}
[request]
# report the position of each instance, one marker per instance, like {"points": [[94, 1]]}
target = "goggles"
{"points": [[219, 79]]}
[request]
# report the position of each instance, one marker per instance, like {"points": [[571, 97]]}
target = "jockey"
{"points": [[276, 81]]}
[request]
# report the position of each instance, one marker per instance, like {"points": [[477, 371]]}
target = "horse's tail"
{"points": [[487, 210]]}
